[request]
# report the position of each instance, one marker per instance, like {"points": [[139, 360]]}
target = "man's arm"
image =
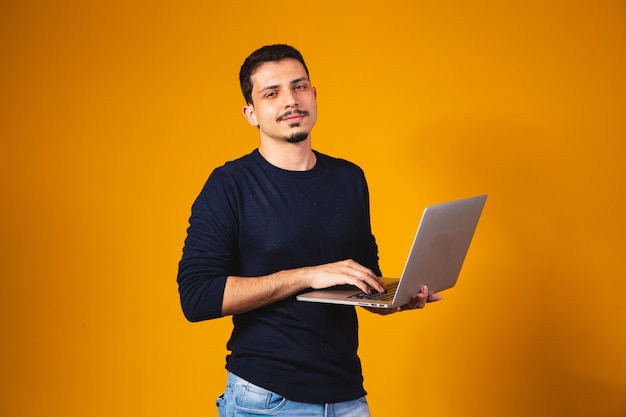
{"points": [[243, 294]]}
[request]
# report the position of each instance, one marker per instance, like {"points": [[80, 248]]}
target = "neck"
{"points": [[289, 156]]}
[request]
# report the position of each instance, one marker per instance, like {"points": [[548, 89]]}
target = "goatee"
{"points": [[297, 137]]}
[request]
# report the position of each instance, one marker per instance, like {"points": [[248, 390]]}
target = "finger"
{"points": [[419, 301], [434, 297], [363, 281], [376, 283], [365, 277]]}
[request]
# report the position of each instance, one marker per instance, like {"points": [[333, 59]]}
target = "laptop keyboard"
{"points": [[380, 296]]}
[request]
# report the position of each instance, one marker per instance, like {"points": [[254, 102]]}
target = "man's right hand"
{"points": [[342, 273]]}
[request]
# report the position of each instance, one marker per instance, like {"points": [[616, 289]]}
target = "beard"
{"points": [[297, 137]]}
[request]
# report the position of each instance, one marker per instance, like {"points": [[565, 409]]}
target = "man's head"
{"points": [[281, 102], [270, 53]]}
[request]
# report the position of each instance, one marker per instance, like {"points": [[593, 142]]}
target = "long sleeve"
{"points": [[208, 252]]}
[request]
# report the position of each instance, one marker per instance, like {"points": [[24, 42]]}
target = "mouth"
{"points": [[293, 116]]}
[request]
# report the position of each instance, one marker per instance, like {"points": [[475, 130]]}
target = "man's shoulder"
{"points": [[235, 166], [245, 160], [229, 173], [338, 163]]}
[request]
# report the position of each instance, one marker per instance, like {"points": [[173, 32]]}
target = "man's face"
{"points": [[284, 102]]}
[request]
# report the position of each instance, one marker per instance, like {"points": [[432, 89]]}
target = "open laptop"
{"points": [[435, 259]]}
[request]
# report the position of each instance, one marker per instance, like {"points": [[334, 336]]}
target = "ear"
{"points": [[249, 114]]}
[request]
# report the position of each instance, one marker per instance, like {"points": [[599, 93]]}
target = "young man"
{"points": [[269, 225]]}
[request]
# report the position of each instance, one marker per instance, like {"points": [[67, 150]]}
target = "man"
{"points": [[269, 225]]}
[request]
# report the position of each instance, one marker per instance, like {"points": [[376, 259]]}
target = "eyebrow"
{"points": [[273, 87]]}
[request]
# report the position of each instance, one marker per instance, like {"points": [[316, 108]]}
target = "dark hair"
{"points": [[269, 53]]}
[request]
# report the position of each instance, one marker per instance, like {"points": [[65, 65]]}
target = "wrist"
{"points": [[300, 278]]}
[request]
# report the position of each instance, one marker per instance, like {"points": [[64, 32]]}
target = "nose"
{"points": [[291, 99]]}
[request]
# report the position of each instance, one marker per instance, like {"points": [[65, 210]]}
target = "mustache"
{"points": [[290, 112]]}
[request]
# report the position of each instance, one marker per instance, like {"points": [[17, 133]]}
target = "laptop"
{"points": [[435, 259]]}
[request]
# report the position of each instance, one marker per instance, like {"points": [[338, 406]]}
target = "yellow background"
{"points": [[114, 113]]}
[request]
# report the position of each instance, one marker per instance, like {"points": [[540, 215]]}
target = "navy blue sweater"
{"points": [[253, 219]]}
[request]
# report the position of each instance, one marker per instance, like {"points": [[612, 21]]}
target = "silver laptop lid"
{"points": [[439, 247]]}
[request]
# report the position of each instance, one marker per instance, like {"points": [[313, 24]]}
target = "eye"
{"points": [[300, 87], [270, 94]]}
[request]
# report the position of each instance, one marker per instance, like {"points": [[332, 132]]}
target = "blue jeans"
{"points": [[243, 399]]}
